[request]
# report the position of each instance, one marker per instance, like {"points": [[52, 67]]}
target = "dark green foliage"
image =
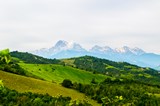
{"points": [[13, 98], [5, 56], [6, 64], [30, 58], [121, 92], [13, 68], [90, 63], [67, 83], [93, 81]]}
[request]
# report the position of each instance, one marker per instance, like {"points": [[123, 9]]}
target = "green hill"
{"points": [[57, 73], [114, 69], [26, 84], [107, 82], [30, 58]]}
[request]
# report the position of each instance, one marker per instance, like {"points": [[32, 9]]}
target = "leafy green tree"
{"points": [[38, 102], [67, 83], [9, 66], [116, 101], [5, 56], [93, 81]]}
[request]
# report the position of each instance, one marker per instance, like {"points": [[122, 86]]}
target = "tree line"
{"points": [[13, 98], [118, 92]]}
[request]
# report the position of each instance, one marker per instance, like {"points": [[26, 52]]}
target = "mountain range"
{"points": [[64, 49]]}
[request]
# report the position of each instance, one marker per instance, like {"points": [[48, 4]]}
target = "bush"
{"points": [[67, 83], [93, 81]]}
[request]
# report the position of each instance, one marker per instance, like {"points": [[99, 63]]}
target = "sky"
{"points": [[27, 25]]}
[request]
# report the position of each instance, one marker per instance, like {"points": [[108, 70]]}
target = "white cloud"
{"points": [[33, 24]]}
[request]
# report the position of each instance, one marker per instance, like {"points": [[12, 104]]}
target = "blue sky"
{"points": [[33, 24]]}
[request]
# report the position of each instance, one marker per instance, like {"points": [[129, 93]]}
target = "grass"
{"points": [[57, 73], [69, 62], [27, 84]]}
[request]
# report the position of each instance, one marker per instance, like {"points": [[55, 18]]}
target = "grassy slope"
{"points": [[69, 62], [26, 84], [58, 73], [30, 58], [116, 69]]}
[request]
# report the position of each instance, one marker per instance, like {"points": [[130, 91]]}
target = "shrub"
{"points": [[67, 83]]}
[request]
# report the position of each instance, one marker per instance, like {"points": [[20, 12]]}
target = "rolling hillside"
{"points": [[72, 69], [107, 82], [26, 84], [57, 73], [30, 58], [114, 69]]}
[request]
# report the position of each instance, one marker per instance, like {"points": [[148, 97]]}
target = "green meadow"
{"points": [[57, 73]]}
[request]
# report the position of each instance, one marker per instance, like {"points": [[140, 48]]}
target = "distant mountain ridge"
{"points": [[64, 49]]}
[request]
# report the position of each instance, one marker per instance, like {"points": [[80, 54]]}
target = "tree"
{"points": [[93, 81], [5, 56], [67, 83]]}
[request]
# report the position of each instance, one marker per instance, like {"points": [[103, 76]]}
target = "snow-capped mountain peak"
{"points": [[61, 43], [64, 49], [138, 51], [124, 49], [96, 48], [104, 49], [127, 50], [107, 48], [77, 47]]}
